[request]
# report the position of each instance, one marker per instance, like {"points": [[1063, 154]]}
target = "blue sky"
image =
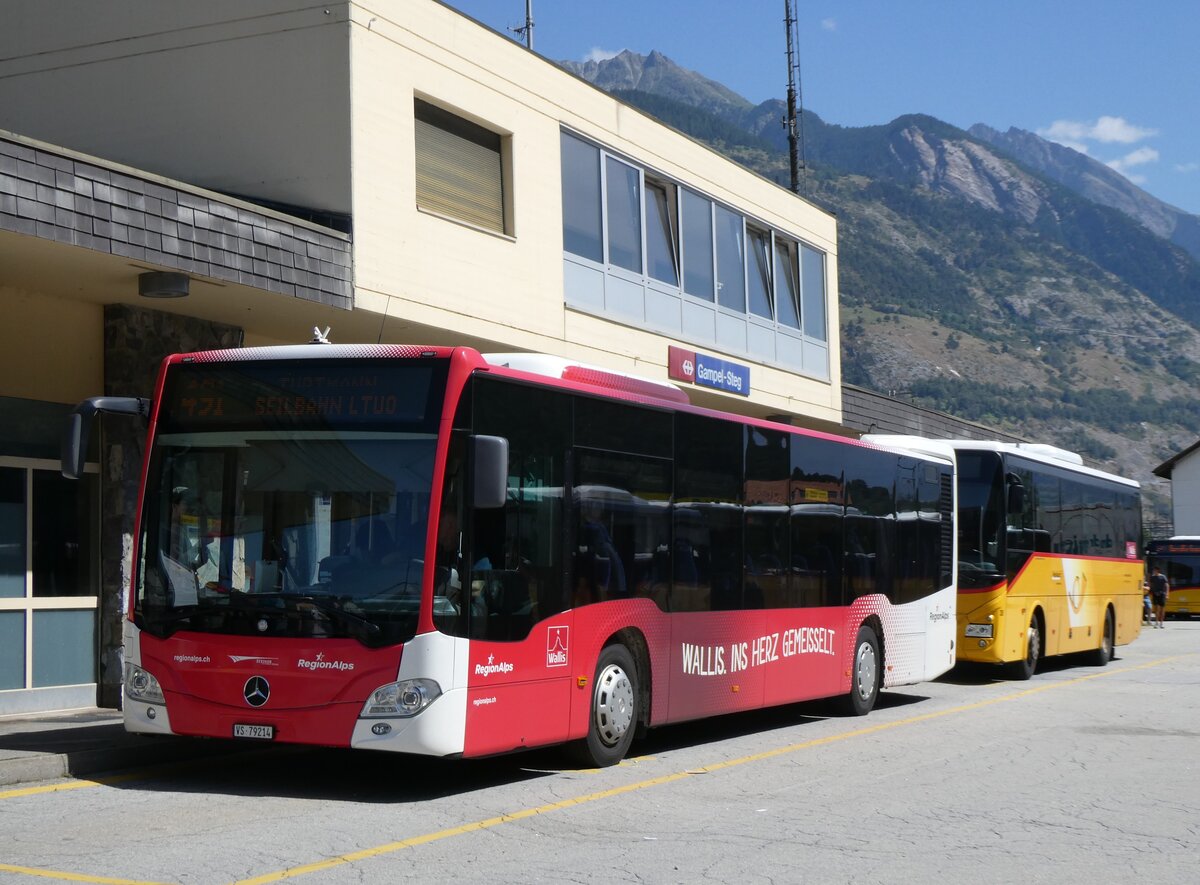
{"points": [[1117, 79]]}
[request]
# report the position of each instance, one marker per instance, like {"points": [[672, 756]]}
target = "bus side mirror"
{"points": [[489, 460], [79, 426]]}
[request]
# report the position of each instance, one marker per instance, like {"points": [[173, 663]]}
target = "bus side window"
{"points": [[709, 486], [816, 494], [622, 532]]}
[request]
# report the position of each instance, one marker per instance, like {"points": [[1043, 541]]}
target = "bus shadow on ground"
{"points": [[337, 775], [970, 673], [730, 726], [343, 775]]}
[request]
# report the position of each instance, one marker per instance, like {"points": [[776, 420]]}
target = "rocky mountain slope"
{"points": [[1096, 182], [993, 275]]}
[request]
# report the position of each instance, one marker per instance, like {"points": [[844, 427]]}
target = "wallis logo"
{"points": [[556, 646]]}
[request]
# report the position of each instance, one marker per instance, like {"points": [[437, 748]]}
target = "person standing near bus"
{"points": [[1159, 588]]}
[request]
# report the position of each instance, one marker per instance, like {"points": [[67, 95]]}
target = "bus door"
{"points": [[515, 610]]}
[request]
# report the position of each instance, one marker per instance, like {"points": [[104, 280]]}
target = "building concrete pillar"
{"points": [[135, 342]]}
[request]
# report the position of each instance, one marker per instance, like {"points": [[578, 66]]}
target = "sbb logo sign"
{"points": [[681, 364], [707, 371]]}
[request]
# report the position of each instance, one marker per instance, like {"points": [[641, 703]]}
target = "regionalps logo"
{"points": [[193, 659], [492, 666], [321, 664]]}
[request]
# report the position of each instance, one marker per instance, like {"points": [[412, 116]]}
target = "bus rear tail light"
{"points": [[401, 699]]}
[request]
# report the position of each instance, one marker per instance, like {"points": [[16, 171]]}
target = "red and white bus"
{"points": [[429, 550]]}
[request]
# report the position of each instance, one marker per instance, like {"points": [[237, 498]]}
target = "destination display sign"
{"points": [[318, 393], [1177, 547], [707, 371]]}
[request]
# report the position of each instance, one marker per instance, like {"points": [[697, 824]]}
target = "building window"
{"points": [[63, 554], [49, 577], [624, 204], [583, 231], [707, 272], [731, 260], [12, 532], [697, 246], [812, 269], [787, 288], [460, 168], [662, 222], [758, 273]]}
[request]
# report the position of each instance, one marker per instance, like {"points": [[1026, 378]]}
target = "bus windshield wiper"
{"points": [[330, 606], [163, 622]]}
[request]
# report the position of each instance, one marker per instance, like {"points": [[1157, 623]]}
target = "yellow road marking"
{"points": [[78, 784], [71, 877], [488, 823]]}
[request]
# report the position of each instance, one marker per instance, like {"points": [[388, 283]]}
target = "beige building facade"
{"points": [[390, 169]]}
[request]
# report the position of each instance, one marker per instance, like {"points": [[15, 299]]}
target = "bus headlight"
{"points": [[142, 686], [402, 699]]}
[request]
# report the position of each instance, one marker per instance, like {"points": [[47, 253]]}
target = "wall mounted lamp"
{"points": [[163, 284]]}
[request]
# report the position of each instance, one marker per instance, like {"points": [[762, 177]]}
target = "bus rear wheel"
{"points": [[864, 674], [1102, 655], [1027, 666], [614, 709]]}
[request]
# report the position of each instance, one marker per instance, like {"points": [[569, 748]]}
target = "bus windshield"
{"points": [[980, 519], [273, 514]]}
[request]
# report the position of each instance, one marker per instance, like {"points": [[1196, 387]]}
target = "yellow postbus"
{"points": [[1179, 559], [1048, 556]]}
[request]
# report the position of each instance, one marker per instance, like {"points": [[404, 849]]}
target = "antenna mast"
{"points": [[526, 30], [792, 122]]}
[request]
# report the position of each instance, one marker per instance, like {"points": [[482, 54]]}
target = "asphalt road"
{"points": [[1081, 774]]}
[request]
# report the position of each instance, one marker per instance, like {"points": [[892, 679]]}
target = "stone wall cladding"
{"points": [[67, 199]]}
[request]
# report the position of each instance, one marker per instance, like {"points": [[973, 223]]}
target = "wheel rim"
{"points": [[1108, 637], [865, 667], [1031, 651], [614, 705]]}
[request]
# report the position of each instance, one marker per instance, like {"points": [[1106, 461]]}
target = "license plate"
{"points": [[255, 732], [983, 631]]}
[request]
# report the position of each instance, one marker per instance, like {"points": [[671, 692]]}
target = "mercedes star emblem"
{"points": [[256, 691]]}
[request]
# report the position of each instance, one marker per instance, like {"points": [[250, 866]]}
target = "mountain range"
{"points": [[993, 275]]}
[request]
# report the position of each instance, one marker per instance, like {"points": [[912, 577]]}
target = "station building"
{"points": [[178, 176], [1182, 470]]}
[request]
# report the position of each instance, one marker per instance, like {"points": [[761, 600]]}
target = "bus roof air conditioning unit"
{"points": [[581, 373]]}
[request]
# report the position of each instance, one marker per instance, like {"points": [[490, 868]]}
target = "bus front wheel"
{"points": [[1027, 666], [614, 709], [864, 674]]}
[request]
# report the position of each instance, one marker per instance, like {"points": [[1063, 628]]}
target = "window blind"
{"points": [[459, 169]]}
